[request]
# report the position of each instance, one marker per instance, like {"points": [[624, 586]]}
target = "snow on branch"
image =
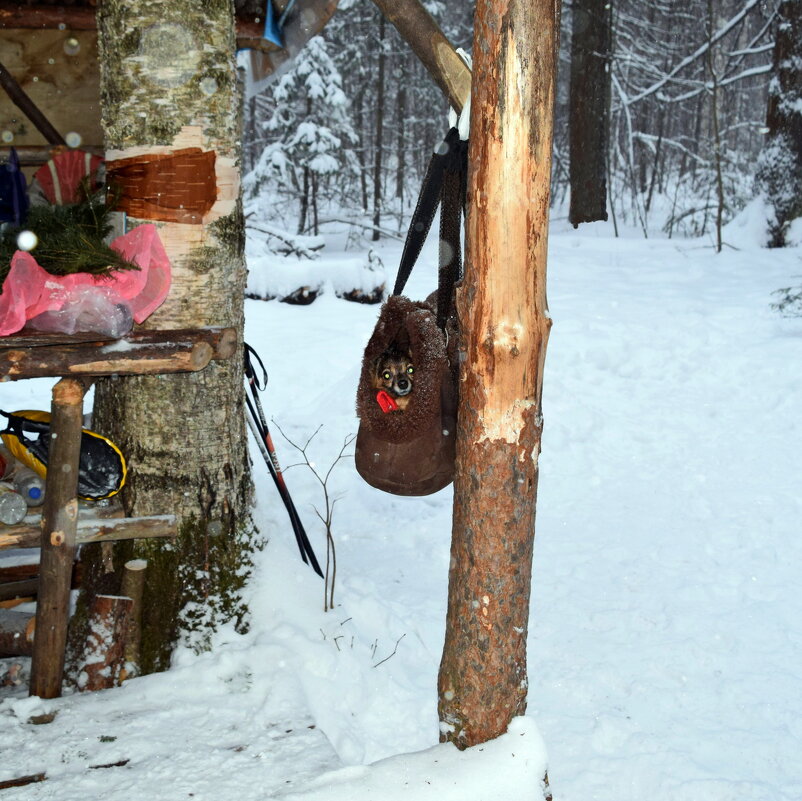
{"points": [[698, 53]]}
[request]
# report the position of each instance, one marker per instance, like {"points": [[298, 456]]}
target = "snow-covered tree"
{"points": [[779, 175], [309, 129]]}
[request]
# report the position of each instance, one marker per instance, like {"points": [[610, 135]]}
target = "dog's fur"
{"points": [[394, 372]]}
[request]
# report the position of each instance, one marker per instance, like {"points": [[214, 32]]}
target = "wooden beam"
{"points": [[59, 522], [22, 581], [20, 99], [34, 355], [73, 18], [26, 535], [12, 590], [420, 31]]}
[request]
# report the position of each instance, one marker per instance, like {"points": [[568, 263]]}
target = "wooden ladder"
{"points": [[78, 360]]}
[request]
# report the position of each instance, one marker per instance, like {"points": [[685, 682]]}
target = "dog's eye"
{"points": [[386, 376], [410, 369]]}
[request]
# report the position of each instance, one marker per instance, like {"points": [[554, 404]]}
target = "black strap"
{"points": [[445, 182]]}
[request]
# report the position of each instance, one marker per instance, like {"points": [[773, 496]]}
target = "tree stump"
{"points": [[109, 621]]}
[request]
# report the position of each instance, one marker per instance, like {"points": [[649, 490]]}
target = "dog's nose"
{"points": [[403, 383]]}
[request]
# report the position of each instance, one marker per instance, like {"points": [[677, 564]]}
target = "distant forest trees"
{"points": [[684, 88]]}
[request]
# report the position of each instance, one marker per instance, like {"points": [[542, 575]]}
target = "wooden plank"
{"points": [[58, 70], [22, 581], [25, 535], [60, 519], [12, 590], [33, 355], [73, 18]]}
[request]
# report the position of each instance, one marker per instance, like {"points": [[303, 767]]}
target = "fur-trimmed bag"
{"points": [[410, 450]]}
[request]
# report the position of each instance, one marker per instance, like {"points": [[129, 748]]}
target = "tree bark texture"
{"points": [[589, 111], [504, 330], [169, 85], [779, 174]]}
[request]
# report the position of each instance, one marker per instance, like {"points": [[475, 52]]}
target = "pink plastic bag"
{"points": [[29, 290]]}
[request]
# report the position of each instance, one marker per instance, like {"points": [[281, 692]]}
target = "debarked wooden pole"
{"points": [[59, 523]]}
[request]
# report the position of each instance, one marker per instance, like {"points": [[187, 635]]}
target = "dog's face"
{"points": [[395, 373]]}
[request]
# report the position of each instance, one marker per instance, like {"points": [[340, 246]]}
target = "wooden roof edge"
{"points": [[82, 18]]}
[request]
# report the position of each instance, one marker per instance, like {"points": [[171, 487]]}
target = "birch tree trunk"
{"points": [[169, 83], [504, 324]]}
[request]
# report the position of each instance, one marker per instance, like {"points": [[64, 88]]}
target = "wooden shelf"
{"points": [[32, 354]]}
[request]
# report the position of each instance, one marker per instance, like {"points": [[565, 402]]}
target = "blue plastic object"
{"points": [[272, 32]]}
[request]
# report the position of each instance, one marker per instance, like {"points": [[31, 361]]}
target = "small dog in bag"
{"points": [[393, 378]]}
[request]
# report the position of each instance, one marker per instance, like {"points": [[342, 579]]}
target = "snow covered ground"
{"points": [[666, 626]]}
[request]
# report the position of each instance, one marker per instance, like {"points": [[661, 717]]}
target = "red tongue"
{"points": [[386, 401]]}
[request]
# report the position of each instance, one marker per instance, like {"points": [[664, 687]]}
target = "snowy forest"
{"points": [[686, 146], [600, 600]]}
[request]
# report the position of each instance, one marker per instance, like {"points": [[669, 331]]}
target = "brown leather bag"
{"points": [[411, 451], [408, 452]]}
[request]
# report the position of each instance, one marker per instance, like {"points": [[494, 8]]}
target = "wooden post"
{"points": [[133, 586], [59, 521], [109, 618], [504, 331]]}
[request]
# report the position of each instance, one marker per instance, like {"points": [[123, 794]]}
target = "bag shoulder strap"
{"points": [[450, 157]]}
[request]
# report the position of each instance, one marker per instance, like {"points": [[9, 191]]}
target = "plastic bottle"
{"points": [[30, 485], [12, 505]]}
